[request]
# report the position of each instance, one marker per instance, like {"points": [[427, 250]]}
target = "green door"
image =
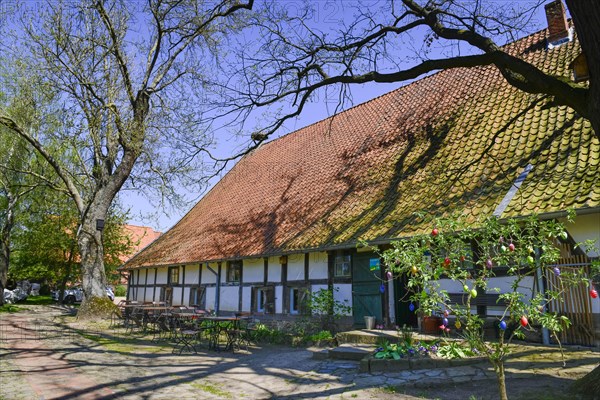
{"points": [[404, 314], [366, 296]]}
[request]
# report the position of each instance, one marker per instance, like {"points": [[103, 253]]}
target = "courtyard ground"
{"points": [[46, 354]]}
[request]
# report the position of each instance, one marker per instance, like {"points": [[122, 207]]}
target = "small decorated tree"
{"points": [[471, 256]]}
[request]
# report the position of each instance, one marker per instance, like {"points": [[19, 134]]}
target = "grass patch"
{"points": [[124, 346], [389, 389], [39, 300], [212, 389], [10, 308]]}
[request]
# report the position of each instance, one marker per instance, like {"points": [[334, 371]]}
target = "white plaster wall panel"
{"points": [[586, 227], [317, 266], [176, 296], [229, 298], [295, 267], [343, 294], [186, 296], [207, 275], [278, 299], [505, 282], [151, 273], [161, 277], [253, 270], [210, 298], [274, 270], [191, 274], [246, 298]]}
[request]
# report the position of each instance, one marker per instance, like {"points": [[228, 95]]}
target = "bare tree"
{"points": [[296, 59], [129, 83]]}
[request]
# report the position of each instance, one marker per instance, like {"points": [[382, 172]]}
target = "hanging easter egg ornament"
{"points": [[489, 263], [411, 307], [414, 269], [594, 294], [457, 324], [434, 232], [466, 288], [442, 327], [388, 275], [503, 325], [446, 313], [524, 321], [511, 247], [556, 271], [473, 293], [382, 288], [503, 248], [445, 321], [563, 235], [462, 258], [447, 261], [530, 260]]}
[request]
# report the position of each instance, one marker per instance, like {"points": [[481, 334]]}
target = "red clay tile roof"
{"points": [[141, 236], [453, 142]]}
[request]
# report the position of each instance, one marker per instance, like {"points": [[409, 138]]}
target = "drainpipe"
{"points": [[542, 289]]}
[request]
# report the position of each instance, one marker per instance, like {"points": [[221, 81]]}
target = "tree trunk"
{"points": [[5, 245], [586, 15], [4, 258], [500, 375], [589, 385], [91, 250]]}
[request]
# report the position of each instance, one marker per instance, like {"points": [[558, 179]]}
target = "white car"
{"points": [[75, 295]]}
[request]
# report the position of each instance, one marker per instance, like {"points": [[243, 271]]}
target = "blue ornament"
{"points": [[445, 321], [556, 271], [411, 307], [382, 288], [503, 325]]}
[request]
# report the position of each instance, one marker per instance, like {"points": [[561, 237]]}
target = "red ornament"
{"points": [[447, 261], [511, 247], [462, 258], [594, 294], [524, 321], [434, 232]]}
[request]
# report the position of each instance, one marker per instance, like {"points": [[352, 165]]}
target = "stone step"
{"points": [[351, 352], [367, 336]]}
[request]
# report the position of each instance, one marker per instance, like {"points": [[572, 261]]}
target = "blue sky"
{"points": [[142, 212]]}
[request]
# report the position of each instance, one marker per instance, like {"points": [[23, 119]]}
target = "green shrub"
{"points": [[121, 290]]}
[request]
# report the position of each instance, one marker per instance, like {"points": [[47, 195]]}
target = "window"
{"points": [[263, 300], [197, 297], [166, 295], [234, 271], [342, 266], [173, 275], [298, 299]]}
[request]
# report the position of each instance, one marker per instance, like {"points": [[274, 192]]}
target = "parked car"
{"points": [[75, 295], [13, 296]]}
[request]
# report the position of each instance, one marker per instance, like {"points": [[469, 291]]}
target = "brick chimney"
{"points": [[558, 28]]}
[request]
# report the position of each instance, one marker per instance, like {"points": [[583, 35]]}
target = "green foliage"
{"points": [[320, 336], [323, 306], [264, 334], [120, 290], [452, 350], [524, 249], [400, 350]]}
